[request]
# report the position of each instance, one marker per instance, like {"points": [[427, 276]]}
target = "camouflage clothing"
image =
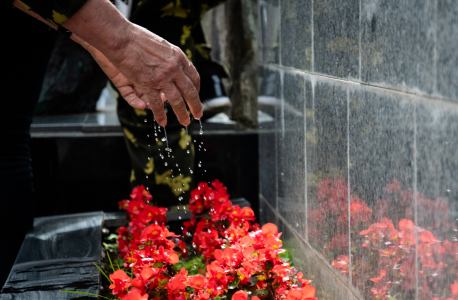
{"points": [[177, 21], [54, 11]]}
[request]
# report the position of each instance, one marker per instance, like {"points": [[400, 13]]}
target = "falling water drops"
{"points": [[165, 164], [163, 139], [201, 131], [187, 151]]}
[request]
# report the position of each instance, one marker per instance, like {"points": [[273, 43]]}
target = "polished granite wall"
{"points": [[359, 166]]}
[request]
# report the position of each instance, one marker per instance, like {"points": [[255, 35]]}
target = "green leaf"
{"points": [[260, 292], [233, 284], [158, 265], [254, 280], [163, 283], [112, 237], [269, 266], [286, 257]]}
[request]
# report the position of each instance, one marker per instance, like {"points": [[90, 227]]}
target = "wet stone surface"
{"points": [[58, 254]]}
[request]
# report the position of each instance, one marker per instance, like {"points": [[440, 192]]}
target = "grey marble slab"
{"points": [[381, 135], [336, 37], [58, 254], [397, 44], [446, 45], [269, 32], [296, 34], [327, 158], [437, 173], [270, 89], [291, 151]]}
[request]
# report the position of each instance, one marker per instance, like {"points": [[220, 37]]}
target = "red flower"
{"points": [[177, 283], [120, 282], [454, 288], [140, 194], [152, 232], [308, 291], [269, 230], [392, 187], [248, 214], [198, 282], [382, 274], [240, 295], [135, 294], [281, 271], [406, 225]]}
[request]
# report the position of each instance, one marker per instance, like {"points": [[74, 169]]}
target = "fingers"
{"points": [[191, 95], [128, 93], [156, 106], [176, 102], [190, 71]]}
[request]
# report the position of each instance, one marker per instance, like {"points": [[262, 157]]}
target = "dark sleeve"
{"points": [[54, 11]]}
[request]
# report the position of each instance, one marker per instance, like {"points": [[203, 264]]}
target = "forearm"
{"points": [[100, 24]]}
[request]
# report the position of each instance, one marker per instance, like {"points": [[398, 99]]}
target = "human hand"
{"points": [[149, 62], [161, 71], [126, 88]]}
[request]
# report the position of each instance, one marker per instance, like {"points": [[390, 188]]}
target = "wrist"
{"points": [[100, 24]]}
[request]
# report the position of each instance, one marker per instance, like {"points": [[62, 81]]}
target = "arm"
{"points": [[150, 64]]}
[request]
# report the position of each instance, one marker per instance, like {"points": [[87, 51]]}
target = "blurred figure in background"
{"points": [[179, 22]]}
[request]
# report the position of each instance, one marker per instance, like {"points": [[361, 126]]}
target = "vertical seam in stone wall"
{"points": [[360, 40], [435, 49], [313, 44], [276, 151], [415, 195], [305, 159], [348, 190], [279, 34], [282, 101]]}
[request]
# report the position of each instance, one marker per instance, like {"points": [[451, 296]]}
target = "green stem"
{"points": [[109, 258], [75, 292], [103, 273]]}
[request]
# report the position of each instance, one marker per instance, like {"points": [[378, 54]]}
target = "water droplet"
{"points": [[190, 171], [163, 139], [194, 141], [180, 198], [162, 156], [200, 146], [147, 135], [149, 145], [157, 140], [177, 165], [146, 120], [149, 158], [179, 217], [146, 176], [201, 131], [187, 151], [205, 149], [165, 164], [178, 207], [199, 165], [155, 134], [147, 188]]}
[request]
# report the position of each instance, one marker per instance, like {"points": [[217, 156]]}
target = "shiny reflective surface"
{"points": [[58, 254], [360, 163]]}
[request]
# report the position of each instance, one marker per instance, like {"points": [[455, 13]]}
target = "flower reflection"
{"points": [[387, 246]]}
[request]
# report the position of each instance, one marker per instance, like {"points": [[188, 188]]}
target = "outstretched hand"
{"points": [[126, 88]]}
